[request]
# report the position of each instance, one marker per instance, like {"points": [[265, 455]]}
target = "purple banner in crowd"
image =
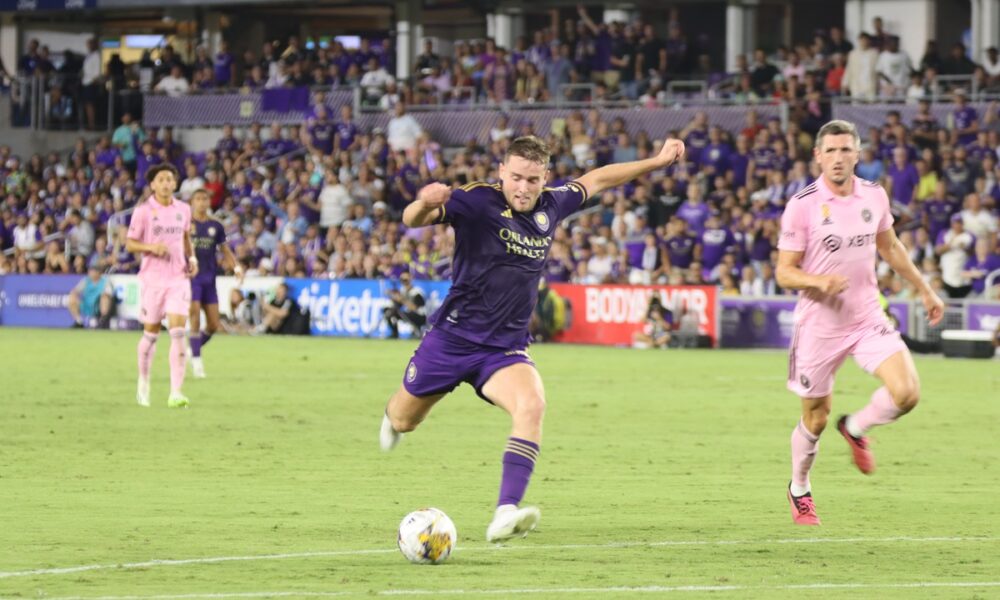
{"points": [[206, 110], [769, 322], [36, 300], [983, 316]]}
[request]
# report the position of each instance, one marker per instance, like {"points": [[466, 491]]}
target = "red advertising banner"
{"points": [[610, 314]]}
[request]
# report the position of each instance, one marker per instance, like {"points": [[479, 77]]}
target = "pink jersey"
{"points": [[837, 236], [154, 223]]}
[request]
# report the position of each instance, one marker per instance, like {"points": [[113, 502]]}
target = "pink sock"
{"points": [[804, 448], [177, 359], [146, 350], [880, 411]]}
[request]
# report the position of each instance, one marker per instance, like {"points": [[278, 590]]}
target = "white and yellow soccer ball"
{"points": [[427, 536]]}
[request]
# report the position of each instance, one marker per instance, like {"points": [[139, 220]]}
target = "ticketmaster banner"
{"points": [[353, 307]]}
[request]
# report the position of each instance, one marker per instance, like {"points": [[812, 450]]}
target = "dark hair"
{"points": [[156, 170], [201, 191], [531, 148]]}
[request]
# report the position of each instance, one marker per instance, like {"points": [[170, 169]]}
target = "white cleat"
{"points": [[388, 438], [197, 367], [142, 392], [510, 521]]}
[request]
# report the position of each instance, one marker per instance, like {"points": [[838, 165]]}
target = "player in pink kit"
{"points": [[161, 231], [830, 232]]}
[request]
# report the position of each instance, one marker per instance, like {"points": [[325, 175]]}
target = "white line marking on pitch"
{"points": [[648, 589], [493, 548]]}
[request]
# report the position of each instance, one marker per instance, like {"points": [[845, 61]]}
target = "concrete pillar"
{"points": [[505, 26], [9, 35], [741, 37], [211, 33], [409, 32], [985, 27]]}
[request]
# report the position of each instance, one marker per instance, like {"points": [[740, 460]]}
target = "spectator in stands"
{"points": [[893, 68], [174, 84], [427, 60], [957, 62], [860, 75], [984, 261], [91, 81], [953, 246], [403, 130], [978, 221], [991, 65]]}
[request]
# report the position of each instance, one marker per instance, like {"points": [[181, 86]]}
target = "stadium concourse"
{"points": [[323, 199]]}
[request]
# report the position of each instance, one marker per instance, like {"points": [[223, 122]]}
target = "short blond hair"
{"points": [[531, 148]]}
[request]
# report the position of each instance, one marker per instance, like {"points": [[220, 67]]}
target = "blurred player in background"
{"points": [[479, 335], [207, 236], [830, 232], [408, 305], [161, 231]]}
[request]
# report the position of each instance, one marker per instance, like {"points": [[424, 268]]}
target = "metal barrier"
{"points": [[990, 291]]}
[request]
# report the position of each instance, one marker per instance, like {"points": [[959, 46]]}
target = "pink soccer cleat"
{"points": [[803, 509], [863, 456]]}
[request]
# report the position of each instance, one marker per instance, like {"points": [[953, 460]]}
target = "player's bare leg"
{"points": [[805, 445], [898, 396], [402, 414], [176, 324], [145, 351], [518, 390]]}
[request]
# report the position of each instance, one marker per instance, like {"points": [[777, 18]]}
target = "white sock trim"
{"points": [[852, 428], [800, 491]]}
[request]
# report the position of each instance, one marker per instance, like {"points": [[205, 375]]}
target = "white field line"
{"points": [[493, 548], [649, 589]]}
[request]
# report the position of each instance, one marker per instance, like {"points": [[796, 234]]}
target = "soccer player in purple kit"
{"points": [[830, 233], [207, 237], [479, 335]]}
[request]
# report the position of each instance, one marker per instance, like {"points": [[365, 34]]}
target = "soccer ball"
{"points": [[427, 536]]}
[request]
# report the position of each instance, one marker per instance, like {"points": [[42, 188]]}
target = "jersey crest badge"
{"points": [[826, 214], [866, 215], [542, 220]]}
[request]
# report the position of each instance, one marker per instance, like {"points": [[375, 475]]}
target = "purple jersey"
{"points": [[695, 215], [716, 156], [963, 119], [714, 245], [321, 134], [347, 132], [223, 67], [499, 257], [226, 145], [938, 213], [206, 238], [680, 249], [904, 181], [738, 164]]}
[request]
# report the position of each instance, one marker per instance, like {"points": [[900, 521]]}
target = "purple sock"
{"points": [[205, 337], [518, 463], [196, 346]]}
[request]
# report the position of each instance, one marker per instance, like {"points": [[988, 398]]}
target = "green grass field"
{"points": [[660, 472]]}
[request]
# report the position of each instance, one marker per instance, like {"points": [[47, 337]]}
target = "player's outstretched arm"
{"points": [[894, 252], [428, 207], [611, 176], [790, 276]]}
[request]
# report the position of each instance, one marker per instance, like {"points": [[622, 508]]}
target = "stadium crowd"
{"points": [[324, 199]]}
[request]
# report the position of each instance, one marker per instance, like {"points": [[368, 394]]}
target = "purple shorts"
{"points": [[204, 292], [442, 361]]}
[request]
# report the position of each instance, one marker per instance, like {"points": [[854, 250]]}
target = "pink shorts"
{"points": [[159, 301], [813, 360]]}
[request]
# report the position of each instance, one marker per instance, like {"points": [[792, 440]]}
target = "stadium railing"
{"points": [[45, 240]]}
